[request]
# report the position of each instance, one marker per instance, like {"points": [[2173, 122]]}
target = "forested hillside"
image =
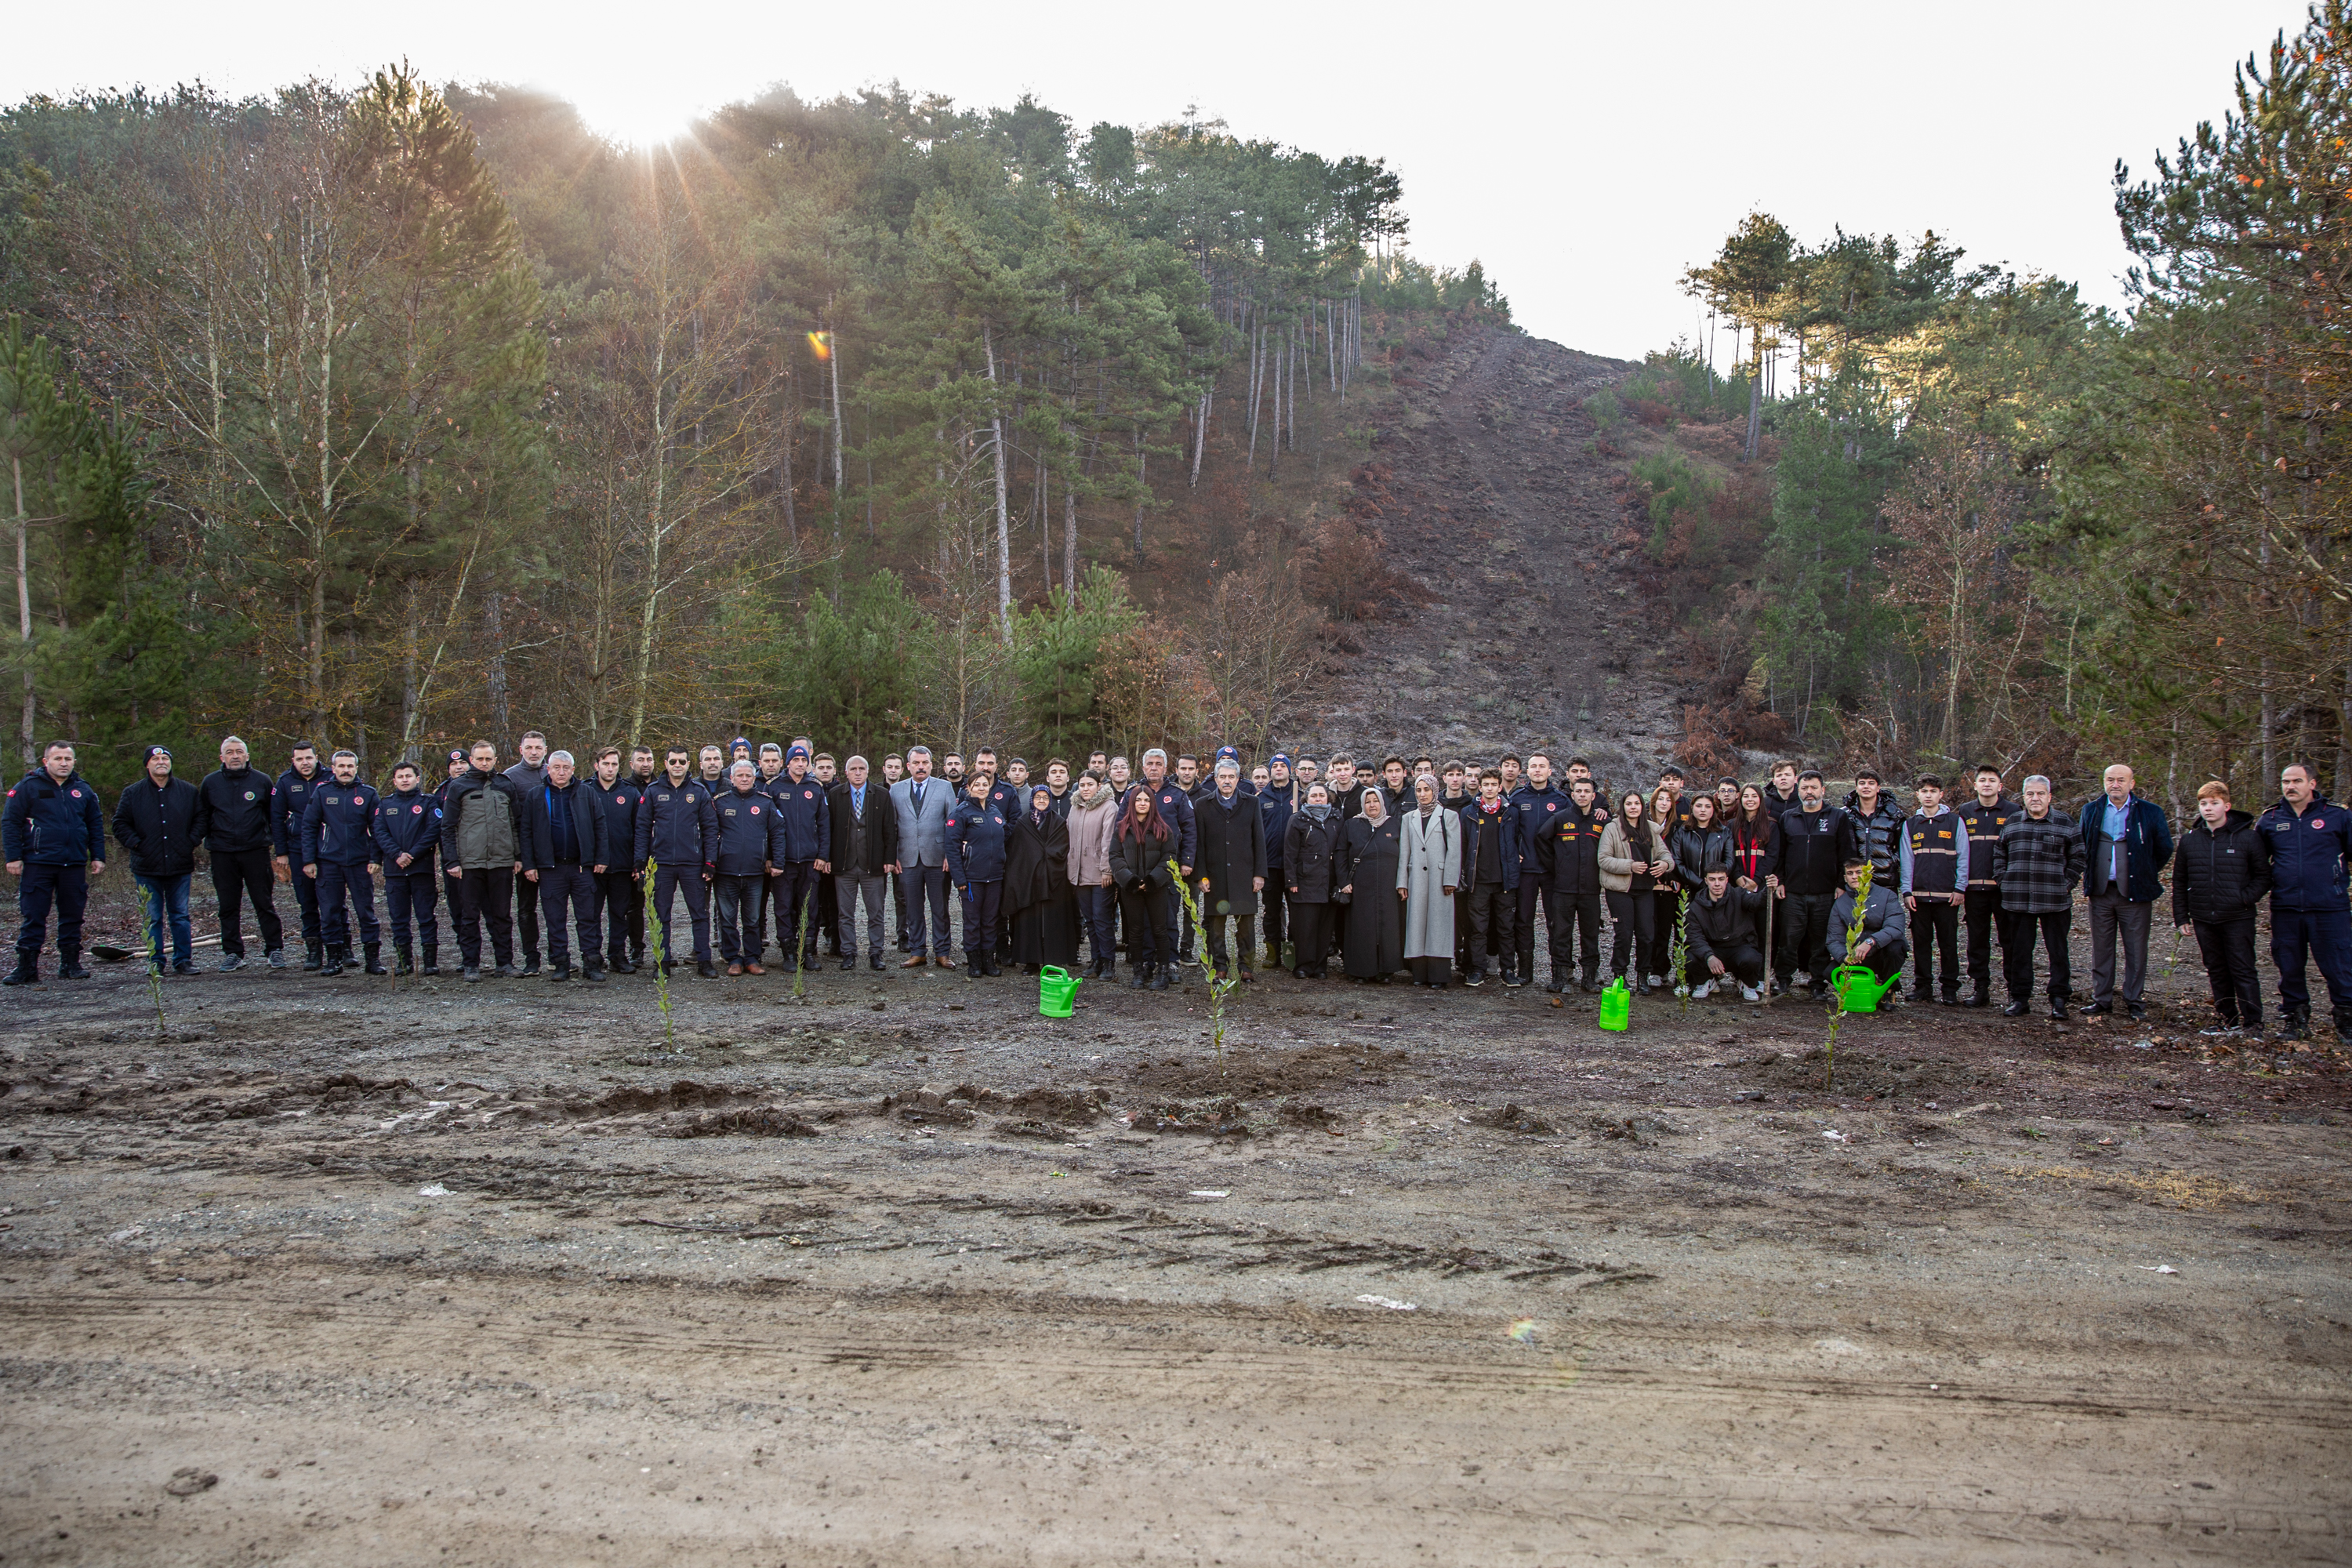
{"points": [[394, 415], [1944, 512]]}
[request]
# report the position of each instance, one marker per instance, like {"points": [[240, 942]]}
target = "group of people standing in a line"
{"points": [[1412, 870]]}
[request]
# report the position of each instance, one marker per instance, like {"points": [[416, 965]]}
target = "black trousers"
{"points": [[1151, 935], [2227, 947], [671, 880], [1492, 910], [306, 900], [623, 897], [899, 904], [1310, 952], [334, 880], [1245, 941], [983, 907], [1632, 917], [238, 876], [738, 898], [485, 895], [1270, 912], [1804, 938], [2017, 939], [1984, 917], [1937, 928], [1743, 964], [575, 886], [527, 920], [409, 899], [1575, 921], [1884, 960], [795, 895], [67, 887], [1533, 895]]}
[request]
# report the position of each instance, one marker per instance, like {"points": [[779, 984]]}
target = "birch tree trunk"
{"points": [[24, 609], [833, 340], [1003, 519]]}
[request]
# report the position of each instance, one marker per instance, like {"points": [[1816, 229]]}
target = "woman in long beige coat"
{"points": [[1429, 866], [1094, 817]]}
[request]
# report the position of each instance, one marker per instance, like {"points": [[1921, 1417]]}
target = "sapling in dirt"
{"points": [[800, 953], [1837, 992], [1678, 950], [149, 915], [657, 944], [1220, 983]]}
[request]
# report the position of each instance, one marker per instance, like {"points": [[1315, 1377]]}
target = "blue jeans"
{"points": [[2326, 936], [167, 896]]}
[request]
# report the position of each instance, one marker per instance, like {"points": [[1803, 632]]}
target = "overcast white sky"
{"points": [[1586, 152]]}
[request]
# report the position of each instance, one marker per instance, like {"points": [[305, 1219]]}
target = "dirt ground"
{"points": [[417, 1271]]}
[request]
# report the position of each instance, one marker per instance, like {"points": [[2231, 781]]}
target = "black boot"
{"points": [[989, 963], [707, 969], [1107, 969], [432, 958], [2058, 1008], [1160, 981], [1138, 976], [69, 967], [559, 968], [404, 959], [2293, 1024], [592, 969], [333, 965], [972, 966], [373, 952], [27, 973], [311, 955]]}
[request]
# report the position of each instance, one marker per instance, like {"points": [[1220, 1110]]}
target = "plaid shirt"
{"points": [[2037, 864]]}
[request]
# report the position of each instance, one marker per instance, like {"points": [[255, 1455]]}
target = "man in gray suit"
{"points": [[921, 802]]}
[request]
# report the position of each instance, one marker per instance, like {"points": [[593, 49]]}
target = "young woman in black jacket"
{"points": [[1143, 864], [2219, 873]]}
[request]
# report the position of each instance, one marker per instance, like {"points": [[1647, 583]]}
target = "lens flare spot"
{"points": [[1523, 1330], [821, 344]]}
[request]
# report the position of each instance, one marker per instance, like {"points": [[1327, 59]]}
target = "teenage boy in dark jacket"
{"points": [[407, 828], [1988, 811], [2221, 869], [2037, 862], [2311, 847], [620, 887], [677, 830], [1570, 856], [1877, 829], [338, 846], [236, 805], [563, 854], [1881, 945], [291, 799], [55, 839], [1537, 805], [155, 822], [1935, 861], [1490, 879], [1805, 870], [1719, 941]]}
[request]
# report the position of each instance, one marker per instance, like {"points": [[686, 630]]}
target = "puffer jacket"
{"points": [[1878, 838], [1090, 830], [1143, 858], [1310, 853], [2219, 876]]}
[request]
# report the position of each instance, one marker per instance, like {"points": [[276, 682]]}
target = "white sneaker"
{"points": [[1748, 993], [1699, 991], [1657, 981]]}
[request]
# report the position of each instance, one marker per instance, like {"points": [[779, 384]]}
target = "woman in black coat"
{"points": [[1311, 847], [1038, 897], [1143, 865], [1702, 846], [1373, 945]]}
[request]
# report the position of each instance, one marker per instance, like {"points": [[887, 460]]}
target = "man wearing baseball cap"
{"points": [[155, 822]]}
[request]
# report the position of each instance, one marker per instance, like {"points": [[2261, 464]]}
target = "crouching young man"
{"points": [[1881, 943], [1721, 938]]}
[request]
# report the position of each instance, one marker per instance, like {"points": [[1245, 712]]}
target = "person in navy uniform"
{"points": [[804, 840], [751, 835], [677, 830], [293, 799], [338, 844], [2310, 841], [407, 827], [620, 887], [55, 839], [975, 834]]}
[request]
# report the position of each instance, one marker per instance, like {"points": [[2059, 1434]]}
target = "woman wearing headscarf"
{"points": [[1312, 848], [1093, 818], [1429, 867], [1143, 864], [1038, 897], [1373, 942], [1635, 863]]}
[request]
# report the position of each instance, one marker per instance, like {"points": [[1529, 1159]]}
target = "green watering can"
{"points": [[1616, 1005], [1056, 989], [1860, 991]]}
